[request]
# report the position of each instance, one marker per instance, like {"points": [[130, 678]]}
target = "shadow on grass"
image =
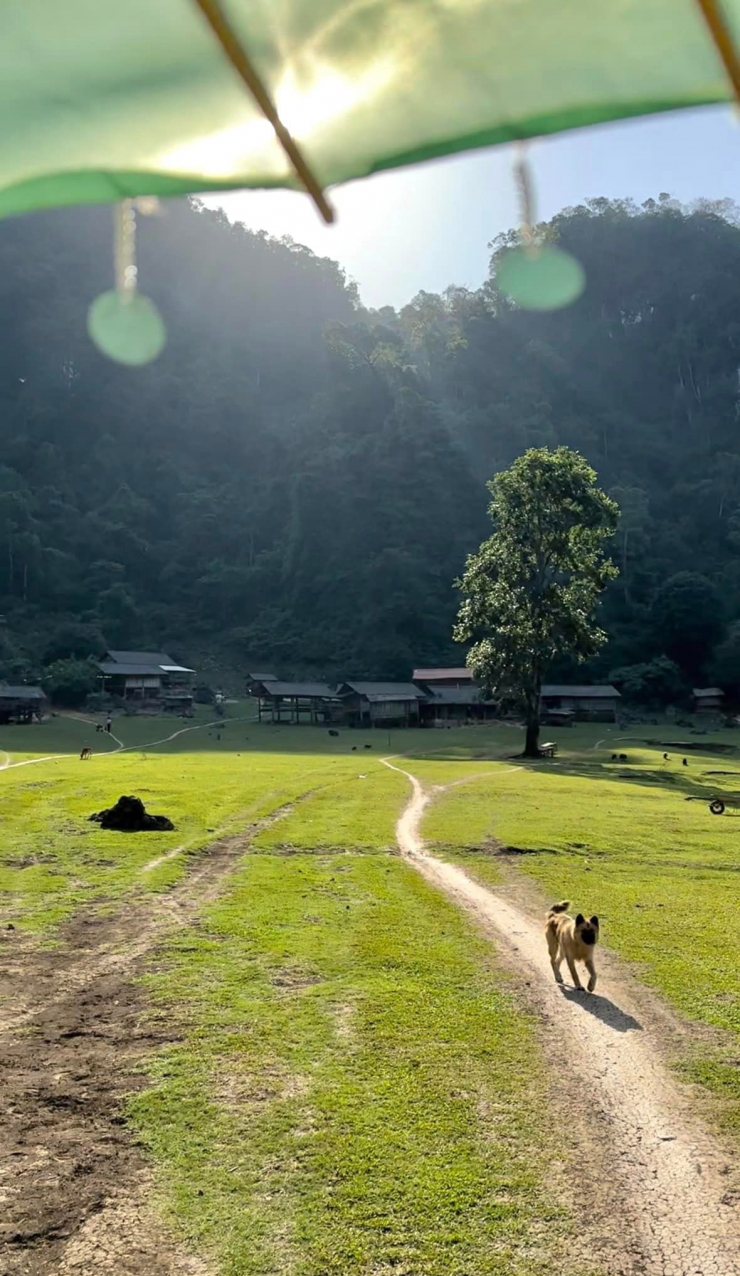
{"points": [[680, 781], [604, 1009], [240, 734]]}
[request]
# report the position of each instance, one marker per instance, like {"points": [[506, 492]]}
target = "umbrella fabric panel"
{"points": [[100, 101]]}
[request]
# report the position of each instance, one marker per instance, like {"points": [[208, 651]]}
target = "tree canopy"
{"points": [[298, 480], [531, 590]]}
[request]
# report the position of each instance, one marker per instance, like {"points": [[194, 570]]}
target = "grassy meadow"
{"points": [[210, 779], [356, 1092], [53, 860], [354, 1088], [620, 839]]}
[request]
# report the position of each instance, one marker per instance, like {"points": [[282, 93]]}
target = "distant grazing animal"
{"points": [[99, 726], [368, 746], [623, 757], [354, 748], [572, 940], [685, 762], [86, 753], [614, 757], [333, 733], [665, 757]]}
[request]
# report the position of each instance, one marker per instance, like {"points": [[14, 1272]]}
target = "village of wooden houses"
{"points": [[154, 682]]}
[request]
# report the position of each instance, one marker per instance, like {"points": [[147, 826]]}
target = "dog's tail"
{"points": [[559, 908]]}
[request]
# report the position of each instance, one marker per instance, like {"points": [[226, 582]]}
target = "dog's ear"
{"points": [[594, 920], [580, 919]]}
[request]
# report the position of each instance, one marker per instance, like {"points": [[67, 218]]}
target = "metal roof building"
{"points": [[150, 679], [21, 703], [563, 704], [443, 677], [294, 701], [381, 703]]}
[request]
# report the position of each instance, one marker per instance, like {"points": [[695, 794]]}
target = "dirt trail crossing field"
{"points": [[121, 747], [658, 1193]]}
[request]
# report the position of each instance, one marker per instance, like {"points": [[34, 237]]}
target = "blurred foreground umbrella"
{"points": [[102, 101]]}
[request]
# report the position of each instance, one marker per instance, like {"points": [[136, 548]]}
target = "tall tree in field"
{"points": [[531, 590]]}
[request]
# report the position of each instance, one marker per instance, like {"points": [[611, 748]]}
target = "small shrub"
{"points": [[68, 683]]}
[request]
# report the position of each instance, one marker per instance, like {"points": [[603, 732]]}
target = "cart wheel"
{"points": [[717, 806]]}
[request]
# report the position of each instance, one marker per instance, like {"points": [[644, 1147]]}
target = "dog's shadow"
{"points": [[602, 1008]]}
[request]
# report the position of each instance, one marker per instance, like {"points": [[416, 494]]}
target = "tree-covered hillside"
{"points": [[297, 481]]}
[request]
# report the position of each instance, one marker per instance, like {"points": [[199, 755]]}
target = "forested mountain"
{"points": [[297, 481]]}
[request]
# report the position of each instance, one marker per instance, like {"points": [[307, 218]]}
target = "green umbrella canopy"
{"points": [[109, 102], [100, 101]]}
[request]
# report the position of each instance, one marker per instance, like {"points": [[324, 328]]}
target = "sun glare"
{"points": [[250, 146]]}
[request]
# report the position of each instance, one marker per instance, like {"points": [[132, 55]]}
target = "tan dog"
{"points": [[86, 753], [572, 940]]}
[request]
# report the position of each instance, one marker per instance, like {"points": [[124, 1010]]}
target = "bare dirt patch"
{"points": [[654, 1191], [343, 1013], [74, 1187]]}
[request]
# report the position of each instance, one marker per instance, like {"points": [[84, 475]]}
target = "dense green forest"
{"points": [[297, 481]]}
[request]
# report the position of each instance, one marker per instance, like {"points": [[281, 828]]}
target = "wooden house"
{"points": [[447, 706], [708, 699], [296, 702], [376, 704], [21, 704], [562, 704], [148, 679]]}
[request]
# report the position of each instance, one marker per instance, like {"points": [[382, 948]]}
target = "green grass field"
{"points": [[356, 1092], [355, 1089], [620, 839], [209, 781]]}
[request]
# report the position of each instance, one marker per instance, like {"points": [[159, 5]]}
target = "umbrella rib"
{"points": [[723, 41], [242, 64]]}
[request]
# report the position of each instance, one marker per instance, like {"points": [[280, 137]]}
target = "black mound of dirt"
{"points": [[129, 815]]}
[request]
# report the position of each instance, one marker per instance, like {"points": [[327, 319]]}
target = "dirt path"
{"points": [[662, 1199], [74, 1188]]}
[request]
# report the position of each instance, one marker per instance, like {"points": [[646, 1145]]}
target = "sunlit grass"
{"points": [[53, 860], [356, 1091], [620, 839]]}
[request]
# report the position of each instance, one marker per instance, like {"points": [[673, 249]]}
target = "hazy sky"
{"points": [[430, 226]]}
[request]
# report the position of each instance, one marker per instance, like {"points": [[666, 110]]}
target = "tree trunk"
{"points": [[532, 719], [532, 742]]}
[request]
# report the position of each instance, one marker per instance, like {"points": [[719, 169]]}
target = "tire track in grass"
{"points": [[664, 1201], [95, 944], [75, 1189]]}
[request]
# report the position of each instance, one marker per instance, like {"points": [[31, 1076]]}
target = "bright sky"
{"points": [[430, 226]]}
